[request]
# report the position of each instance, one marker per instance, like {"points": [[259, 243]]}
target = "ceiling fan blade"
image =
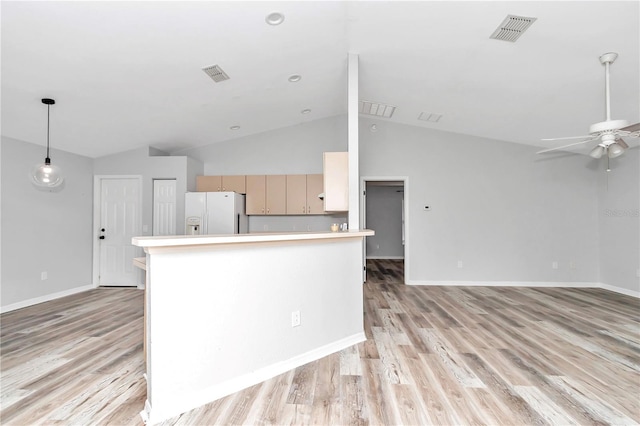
{"points": [[566, 146], [622, 143], [632, 128], [566, 138]]}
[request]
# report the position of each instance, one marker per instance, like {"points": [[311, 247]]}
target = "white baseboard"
{"points": [[527, 284], [185, 402], [45, 298], [386, 257], [626, 291], [505, 283]]}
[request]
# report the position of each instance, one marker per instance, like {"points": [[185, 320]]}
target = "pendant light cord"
{"points": [[48, 111]]}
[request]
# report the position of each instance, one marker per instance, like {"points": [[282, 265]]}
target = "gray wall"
{"points": [[43, 230], [290, 150], [506, 213], [384, 215], [147, 163], [619, 210]]}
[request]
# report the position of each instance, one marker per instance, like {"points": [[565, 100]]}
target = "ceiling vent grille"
{"points": [[216, 73], [512, 28], [375, 108], [430, 117]]}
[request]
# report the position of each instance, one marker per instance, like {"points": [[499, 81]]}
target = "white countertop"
{"points": [[197, 240]]}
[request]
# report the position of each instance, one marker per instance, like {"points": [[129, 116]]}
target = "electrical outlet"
{"points": [[572, 265], [377, 246], [43, 275], [460, 264], [295, 318], [554, 265]]}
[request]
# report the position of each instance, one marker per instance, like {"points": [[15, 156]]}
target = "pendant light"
{"points": [[45, 174]]}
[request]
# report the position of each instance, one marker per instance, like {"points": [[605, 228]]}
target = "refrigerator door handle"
{"points": [[205, 222]]}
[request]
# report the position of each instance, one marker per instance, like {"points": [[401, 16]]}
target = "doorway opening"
{"points": [[384, 209]]}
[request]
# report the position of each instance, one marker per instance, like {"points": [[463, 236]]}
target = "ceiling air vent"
{"points": [[430, 117], [375, 108], [216, 73], [512, 27]]}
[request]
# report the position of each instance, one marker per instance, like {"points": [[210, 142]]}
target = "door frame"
{"points": [[97, 214], [363, 214]]}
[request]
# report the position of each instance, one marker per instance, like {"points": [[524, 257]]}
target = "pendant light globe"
{"points": [[46, 175]]}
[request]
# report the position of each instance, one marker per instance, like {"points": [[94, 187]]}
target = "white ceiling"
{"points": [[129, 74]]}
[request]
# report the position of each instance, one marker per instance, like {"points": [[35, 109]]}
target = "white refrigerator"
{"points": [[215, 213]]}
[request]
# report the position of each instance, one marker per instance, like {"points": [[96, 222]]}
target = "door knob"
{"points": [[101, 237]]}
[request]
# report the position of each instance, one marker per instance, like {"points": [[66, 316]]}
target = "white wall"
{"points": [[619, 210], [227, 325], [290, 150], [384, 215], [43, 230], [506, 213], [151, 164]]}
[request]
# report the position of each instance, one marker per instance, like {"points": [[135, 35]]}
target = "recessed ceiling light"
{"points": [[295, 78], [305, 111], [274, 18], [235, 127]]}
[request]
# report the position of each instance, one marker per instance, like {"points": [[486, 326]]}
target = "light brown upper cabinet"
{"points": [[266, 194], [234, 184], [208, 183], [336, 181], [221, 183], [302, 194], [315, 187], [296, 194]]}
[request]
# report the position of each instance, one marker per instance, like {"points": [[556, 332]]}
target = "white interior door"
{"points": [[164, 207], [119, 222]]}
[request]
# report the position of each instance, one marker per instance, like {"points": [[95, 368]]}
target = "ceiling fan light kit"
{"points": [[608, 131], [47, 175]]}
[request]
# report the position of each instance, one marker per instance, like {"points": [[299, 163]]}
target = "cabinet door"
{"points": [[276, 194], [336, 181], [256, 194], [208, 183], [296, 194], [314, 188], [234, 184]]}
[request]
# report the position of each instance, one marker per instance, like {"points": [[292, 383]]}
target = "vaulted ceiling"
{"points": [[129, 74]]}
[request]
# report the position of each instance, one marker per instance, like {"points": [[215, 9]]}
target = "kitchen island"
{"points": [[226, 312]]}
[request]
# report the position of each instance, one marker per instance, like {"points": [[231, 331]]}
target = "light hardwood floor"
{"points": [[434, 355]]}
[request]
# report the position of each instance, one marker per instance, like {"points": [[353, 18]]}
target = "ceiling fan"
{"points": [[609, 132]]}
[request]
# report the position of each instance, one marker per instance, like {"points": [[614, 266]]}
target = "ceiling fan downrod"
{"points": [[607, 59]]}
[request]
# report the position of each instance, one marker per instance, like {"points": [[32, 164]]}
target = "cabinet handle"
{"points": [[223, 189], [262, 210], [303, 209], [309, 210], [267, 211]]}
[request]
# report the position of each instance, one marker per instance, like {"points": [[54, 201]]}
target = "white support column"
{"points": [[353, 145]]}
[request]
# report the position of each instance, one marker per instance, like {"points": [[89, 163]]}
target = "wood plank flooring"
{"points": [[434, 355]]}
